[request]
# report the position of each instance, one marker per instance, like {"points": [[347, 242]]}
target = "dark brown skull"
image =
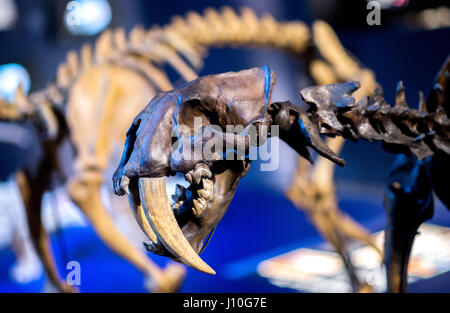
{"points": [[156, 147]]}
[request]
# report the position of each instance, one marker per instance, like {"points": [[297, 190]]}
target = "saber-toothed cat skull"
{"points": [[234, 98], [156, 147]]}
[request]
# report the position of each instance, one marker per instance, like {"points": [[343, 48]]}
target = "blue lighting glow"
{"points": [[11, 76], [87, 17]]}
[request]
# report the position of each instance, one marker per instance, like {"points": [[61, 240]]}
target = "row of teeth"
{"points": [[205, 195]]}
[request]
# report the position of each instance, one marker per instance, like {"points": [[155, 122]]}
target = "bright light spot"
{"points": [[435, 18], [400, 3], [87, 17], [8, 14], [11, 76], [428, 19]]}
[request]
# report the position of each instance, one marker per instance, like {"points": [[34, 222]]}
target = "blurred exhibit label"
{"points": [[322, 270]]}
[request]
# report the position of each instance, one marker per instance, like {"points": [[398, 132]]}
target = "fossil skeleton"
{"points": [[244, 98], [100, 78]]}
